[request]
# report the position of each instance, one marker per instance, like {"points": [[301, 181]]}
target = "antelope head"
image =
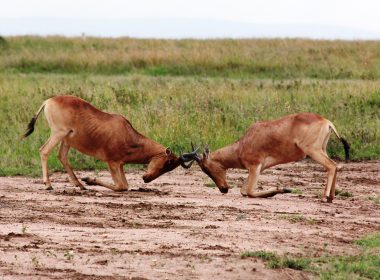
{"points": [[211, 167], [165, 162]]}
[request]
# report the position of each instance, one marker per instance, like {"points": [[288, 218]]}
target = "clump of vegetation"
{"points": [[362, 266], [69, 255], [274, 261], [210, 185], [297, 191], [375, 199], [263, 255], [35, 261], [370, 241], [50, 254], [115, 251], [294, 218], [343, 194], [24, 229]]}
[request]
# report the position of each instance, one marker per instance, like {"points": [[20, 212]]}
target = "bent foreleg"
{"points": [[250, 188]]}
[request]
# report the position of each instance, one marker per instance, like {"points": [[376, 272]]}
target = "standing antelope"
{"points": [[109, 137], [269, 143]]}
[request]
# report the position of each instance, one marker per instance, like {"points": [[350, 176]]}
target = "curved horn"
{"points": [[183, 164], [186, 157]]}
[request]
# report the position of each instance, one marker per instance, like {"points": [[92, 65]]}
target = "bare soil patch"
{"points": [[178, 227]]}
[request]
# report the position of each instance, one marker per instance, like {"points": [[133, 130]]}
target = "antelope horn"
{"points": [[185, 157], [187, 166]]}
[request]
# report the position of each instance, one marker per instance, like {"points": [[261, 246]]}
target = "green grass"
{"points": [[177, 110], [375, 199], [293, 218], [259, 58], [365, 265], [296, 218], [297, 191], [178, 91], [274, 261], [343, 194], [210, 185], [263, 255]]}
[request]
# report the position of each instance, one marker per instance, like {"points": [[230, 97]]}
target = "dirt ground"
{"points": [[179, 226]]}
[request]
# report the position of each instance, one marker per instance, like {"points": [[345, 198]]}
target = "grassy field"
{"points": [[177, 91], [274, 59], [362, 266]]}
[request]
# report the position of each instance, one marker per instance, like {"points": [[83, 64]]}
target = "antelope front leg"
{"points": [[118, 177], [251, 185]]}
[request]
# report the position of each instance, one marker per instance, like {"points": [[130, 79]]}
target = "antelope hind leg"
{"points": [[45, 151], [62, 155]]}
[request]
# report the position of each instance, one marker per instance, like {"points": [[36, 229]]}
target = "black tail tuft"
{"points": [[346, 148], [30, 127]]}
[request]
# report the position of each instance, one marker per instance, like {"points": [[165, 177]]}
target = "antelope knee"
{"points": [[43, 154]]}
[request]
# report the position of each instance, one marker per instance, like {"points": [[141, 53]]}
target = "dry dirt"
{"points": [[178, 226]]}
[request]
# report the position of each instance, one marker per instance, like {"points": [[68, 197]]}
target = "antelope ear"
{"points": [[206, 152], [168, 151]]}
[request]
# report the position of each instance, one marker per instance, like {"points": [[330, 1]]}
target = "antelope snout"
{"points": [[147, 178], [223, 189]]}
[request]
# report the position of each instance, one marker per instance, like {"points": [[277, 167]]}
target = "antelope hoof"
{"points": [[89, 181], [286, 190], [329, 200], [49, 188], [83, 188], [243, 192], [325, 199]]}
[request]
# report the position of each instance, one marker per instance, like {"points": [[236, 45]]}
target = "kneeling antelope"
{"points": [[270, 143], [77, 124]]}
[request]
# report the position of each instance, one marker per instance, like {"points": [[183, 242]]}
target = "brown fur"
{"points": [[269, 143], [108, 137]]}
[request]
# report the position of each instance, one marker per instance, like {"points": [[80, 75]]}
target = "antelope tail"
{"points": [[32, 122], [344, 142]]}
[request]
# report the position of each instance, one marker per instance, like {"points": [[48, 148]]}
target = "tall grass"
{"points": [[275, 59], [177, 110], [177, 91]]}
